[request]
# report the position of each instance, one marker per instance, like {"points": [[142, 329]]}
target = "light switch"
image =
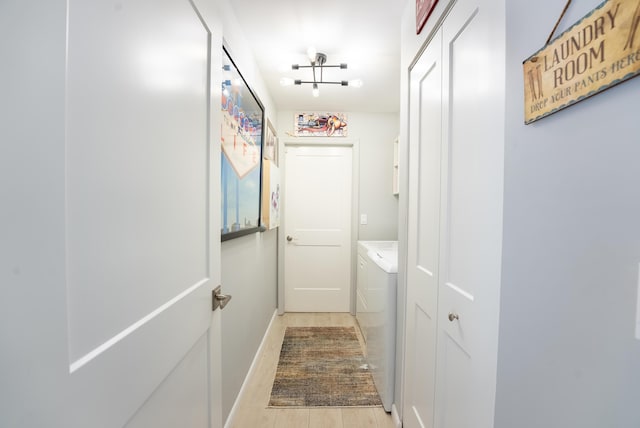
{"points": [[363, 219]]}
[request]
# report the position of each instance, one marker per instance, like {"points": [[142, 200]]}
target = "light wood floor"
{"points": [[252, 411]]}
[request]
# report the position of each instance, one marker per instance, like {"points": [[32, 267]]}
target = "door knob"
{"points": [[453, 316], [289, 238], [219, 300]]}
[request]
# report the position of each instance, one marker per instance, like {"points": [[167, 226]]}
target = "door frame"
{"points": [[355, 205]]}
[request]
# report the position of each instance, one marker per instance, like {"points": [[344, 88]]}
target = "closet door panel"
{"points": [[471, 217], [424, 226]]}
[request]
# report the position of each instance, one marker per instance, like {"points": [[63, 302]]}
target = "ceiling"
{"points": [[365, 34]]}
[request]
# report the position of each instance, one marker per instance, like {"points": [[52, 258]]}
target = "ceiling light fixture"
{"points": [[317, 65]]}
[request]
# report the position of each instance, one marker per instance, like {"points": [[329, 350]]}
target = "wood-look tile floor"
{"points": [[252, 410]]}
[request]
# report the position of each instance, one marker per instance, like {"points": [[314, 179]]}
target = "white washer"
{"points": [[376, 311]]}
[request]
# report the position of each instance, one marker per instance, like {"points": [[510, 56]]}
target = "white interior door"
{"points": [[455, 221], [424, 236], [118, 240], [317, 216], [471, 213]]}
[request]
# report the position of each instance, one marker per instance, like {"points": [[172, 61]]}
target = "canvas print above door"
{"points": [[320, 125]]}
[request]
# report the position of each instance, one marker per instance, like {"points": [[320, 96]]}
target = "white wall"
{"points": [[249, 274], [249, 263], [32, 215], [568, 356], [376, 133]]}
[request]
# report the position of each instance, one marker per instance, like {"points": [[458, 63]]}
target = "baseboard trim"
{"points": [[395, 417], [252, 369]]}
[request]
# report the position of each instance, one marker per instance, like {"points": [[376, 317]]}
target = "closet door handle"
{"points": [[289, 238], [453, 316]]}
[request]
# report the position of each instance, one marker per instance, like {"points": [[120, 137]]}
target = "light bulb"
{"points": [[311, 53], [315, 91], [356, 83], [286, 81]]}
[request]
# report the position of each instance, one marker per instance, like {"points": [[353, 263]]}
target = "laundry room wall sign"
{"points": [[596, 53]]}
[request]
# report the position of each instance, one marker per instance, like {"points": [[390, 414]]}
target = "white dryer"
{"points": [[376, 311]]}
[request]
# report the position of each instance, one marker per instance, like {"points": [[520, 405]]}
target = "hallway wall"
{"points": [[376, 132], [249, 274], [249, 263], [32, 217], [568, 356]]}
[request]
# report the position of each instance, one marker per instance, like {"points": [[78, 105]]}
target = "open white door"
{"points": [[317, 216], [111, 227]]}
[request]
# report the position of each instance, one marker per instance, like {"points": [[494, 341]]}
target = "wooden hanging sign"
{"points": [[596, 53]]}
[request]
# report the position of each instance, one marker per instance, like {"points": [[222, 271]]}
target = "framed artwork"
{"points": [[270, 180], [423, 10], [320, 125], [241, 142], [270, 195], [270, 150]]}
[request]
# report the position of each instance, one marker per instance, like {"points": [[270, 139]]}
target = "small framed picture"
{"points": [[270, 150], [423, 10]]}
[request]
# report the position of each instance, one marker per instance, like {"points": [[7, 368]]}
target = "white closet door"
{"points": [[455, 221], [471, 214], [424, 236]]}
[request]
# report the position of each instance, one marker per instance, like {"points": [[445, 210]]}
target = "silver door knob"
{"points": [[453, 316], [219, 300], [289, 238]]}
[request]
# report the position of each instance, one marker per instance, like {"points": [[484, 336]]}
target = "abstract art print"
{"points": [[320, 125]]}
